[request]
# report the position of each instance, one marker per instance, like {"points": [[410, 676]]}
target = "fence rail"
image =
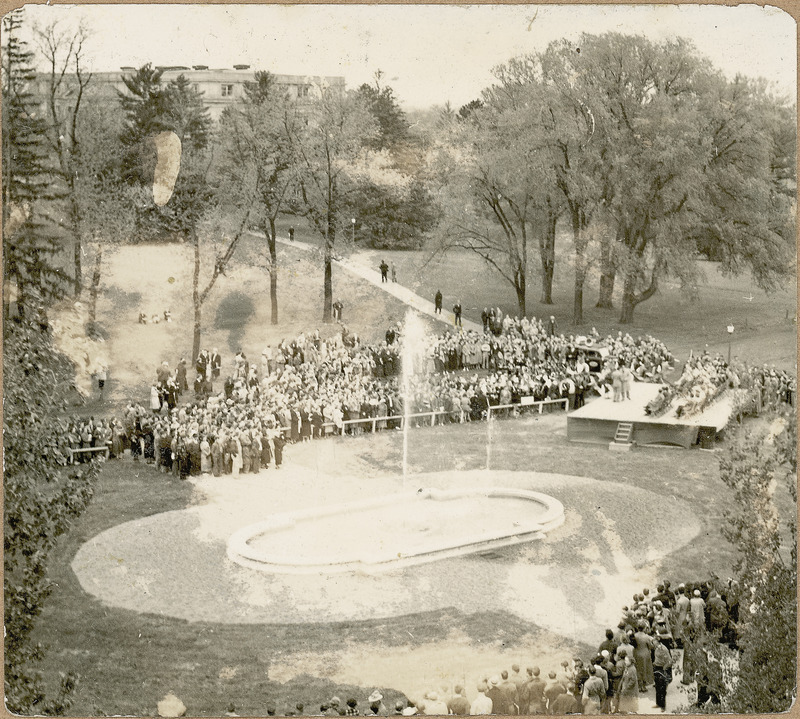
{"points": [[86, 450], [373, 421]]}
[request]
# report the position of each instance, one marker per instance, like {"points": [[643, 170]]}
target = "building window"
{"points": [[227, 90], [302, 90]]}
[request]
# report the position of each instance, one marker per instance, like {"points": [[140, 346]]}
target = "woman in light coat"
{"points": [[236, 460]]}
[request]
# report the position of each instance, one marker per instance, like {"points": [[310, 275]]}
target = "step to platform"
{"points": [[622, 437]]}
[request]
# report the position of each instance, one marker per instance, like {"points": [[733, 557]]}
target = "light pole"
{"points": [[730, 336], [353, 223]]}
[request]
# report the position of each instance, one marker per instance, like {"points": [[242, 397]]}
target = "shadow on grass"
{"points": [[233, 314]]}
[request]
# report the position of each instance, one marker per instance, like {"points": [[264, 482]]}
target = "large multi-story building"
{"points": [[220, 87]]}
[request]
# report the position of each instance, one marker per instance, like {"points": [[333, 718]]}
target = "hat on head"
{"points": [[376, 696], [697, 592], [494, 681]]}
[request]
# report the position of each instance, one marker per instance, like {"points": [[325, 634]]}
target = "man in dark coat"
{"points": [[457, 314], [216, 363], [278, 443], [384, 271], [437, 302]]}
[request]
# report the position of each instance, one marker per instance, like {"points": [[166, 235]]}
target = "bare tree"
{"points": [[66, 81]]}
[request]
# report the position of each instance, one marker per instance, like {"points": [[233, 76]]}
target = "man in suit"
{"points": [[437, 302], [384, 271], [457, 314], [534, 691], [216, 363]]}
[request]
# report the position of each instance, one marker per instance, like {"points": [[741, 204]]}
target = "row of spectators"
{"points": [[312, 387], [657, 640], [705, 377]]}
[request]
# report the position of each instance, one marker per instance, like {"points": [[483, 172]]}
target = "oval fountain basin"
{"points": [[395, 530]]}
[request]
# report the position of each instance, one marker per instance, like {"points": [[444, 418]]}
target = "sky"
{"points": [[429, 54]]}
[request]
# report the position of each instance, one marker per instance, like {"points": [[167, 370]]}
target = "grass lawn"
{"points": [[765, 331], [128, 661]]}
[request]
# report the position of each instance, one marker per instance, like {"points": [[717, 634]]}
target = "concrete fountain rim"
{"points": [[371, 560]]}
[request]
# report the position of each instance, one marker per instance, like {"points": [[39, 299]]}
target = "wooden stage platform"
{"points": [[598, 420]]}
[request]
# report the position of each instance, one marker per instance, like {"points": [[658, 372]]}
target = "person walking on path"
{"points": [[394, 273], [437, 302], [384, 271], [457, 314], [291, 234]]}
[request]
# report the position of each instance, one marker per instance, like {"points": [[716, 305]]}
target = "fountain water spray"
{"points": [[413, 358]]}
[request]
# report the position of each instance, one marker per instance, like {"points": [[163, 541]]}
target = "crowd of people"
{"points": [[705, 377], [658, 639], [312, 387]]}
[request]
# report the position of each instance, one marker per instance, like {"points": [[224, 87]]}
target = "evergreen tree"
{"points": [[151, 107], [43, 495], [31, 239], [143, 107], [383, 106]]}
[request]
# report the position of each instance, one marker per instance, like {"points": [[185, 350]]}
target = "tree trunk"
{"points": [[577, 295], [93, 291], [629, 299], [547, 252], [196, 301], [605, 298], [327, 300], [521, 289], [75, 226], [273, 272], [608, 274], [580, 266]]}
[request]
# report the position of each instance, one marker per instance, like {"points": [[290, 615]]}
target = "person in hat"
{"points": [[170, 706], [499, 703], [433, 705], [662, 670], [531, 697], [594, 692], [482, 704], [628, 692], [458, 703], [697, 611], [566, 703], [376, 703]]}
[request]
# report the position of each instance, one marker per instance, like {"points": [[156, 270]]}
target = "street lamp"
{"points": [[353, 223], [730, 336]]}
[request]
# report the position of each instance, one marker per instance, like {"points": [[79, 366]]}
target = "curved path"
{"points": [[373, 275]]}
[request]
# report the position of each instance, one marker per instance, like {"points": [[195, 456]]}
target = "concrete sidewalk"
{"points": [[405, 295]]}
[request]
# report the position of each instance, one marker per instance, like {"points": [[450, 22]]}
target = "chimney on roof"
{"points": [[199, 67], [241, 67]]}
